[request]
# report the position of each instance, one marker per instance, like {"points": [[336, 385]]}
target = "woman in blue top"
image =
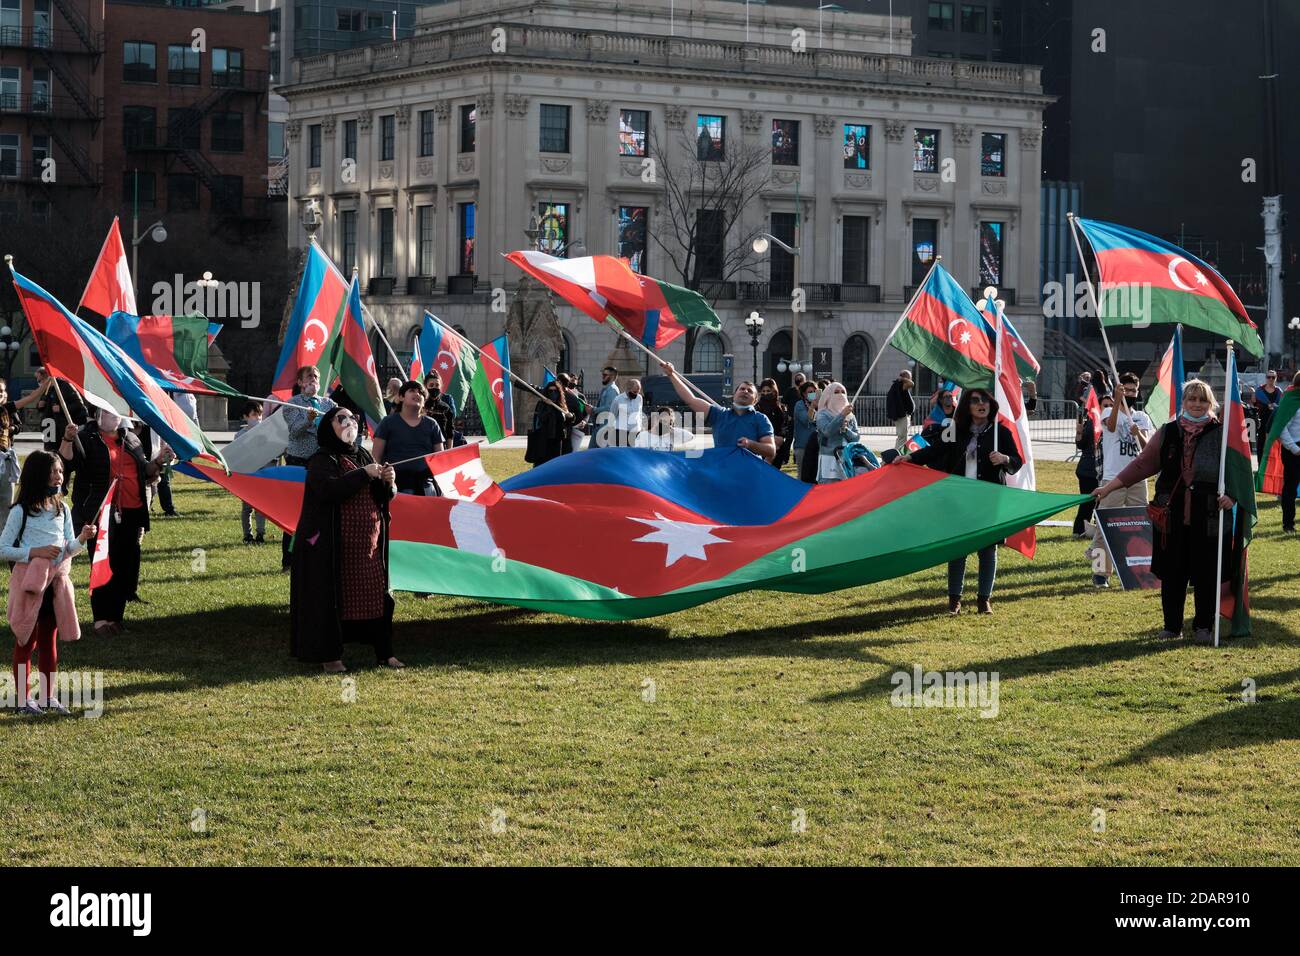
{"points": [[836, 427], [804, 412], [38, 538]]}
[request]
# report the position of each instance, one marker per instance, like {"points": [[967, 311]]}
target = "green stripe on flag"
{"points": [[1140, 305], [940, 357]]}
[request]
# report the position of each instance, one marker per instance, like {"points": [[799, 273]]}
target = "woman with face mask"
{"points": [[769, 403], [338, 585], [1184, 458], [804, 414], [38, 539], [836, 427], [110, 452]]}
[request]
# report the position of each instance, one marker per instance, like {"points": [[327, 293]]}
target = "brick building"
{"points": [[51, 105], [192, 122]]}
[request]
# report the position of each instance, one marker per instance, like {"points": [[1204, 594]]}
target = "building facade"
{"points": [[430, 157], [51, 106]]}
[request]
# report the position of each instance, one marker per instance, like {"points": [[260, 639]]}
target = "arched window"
{"points": [[565, 362], [857, 359], [708, 353]]}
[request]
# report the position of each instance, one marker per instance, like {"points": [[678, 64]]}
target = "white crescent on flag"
{"points": [[308, 342]]}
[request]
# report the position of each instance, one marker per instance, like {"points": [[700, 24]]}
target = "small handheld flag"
{"points": [[101, 572]]}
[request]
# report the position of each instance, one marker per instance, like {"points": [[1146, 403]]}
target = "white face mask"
{"points": [[310, 388], [742, 408]]}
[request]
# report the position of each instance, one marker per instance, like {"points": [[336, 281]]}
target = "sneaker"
{"points": [[1168, 635], [260, 539], [1100, 581], [31, 707], [248, 539], [53, 706], [1203, 635]]}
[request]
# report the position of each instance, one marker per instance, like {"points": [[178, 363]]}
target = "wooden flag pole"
{"points": [[897, 325], [1096, 310], [658, 358], [1223, 462]]}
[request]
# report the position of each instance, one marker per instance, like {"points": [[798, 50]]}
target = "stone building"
{"points": [[431, 156]]}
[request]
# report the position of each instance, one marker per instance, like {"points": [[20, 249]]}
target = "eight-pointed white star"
{"points": [[684, 540], [309, 345], [965, 337], [1201, 280]]}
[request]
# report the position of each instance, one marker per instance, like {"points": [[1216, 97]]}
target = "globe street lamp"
{"points": [[754, 323], [1294, 326], [157, 232], [761, 244]]}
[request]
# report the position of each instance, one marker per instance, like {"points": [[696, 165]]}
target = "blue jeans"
{"points": [[988, 571]]}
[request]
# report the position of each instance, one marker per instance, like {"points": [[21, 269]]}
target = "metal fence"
{"points": [[1052, 420]]}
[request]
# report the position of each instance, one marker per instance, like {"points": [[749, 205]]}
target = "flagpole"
{"points": [[1223, 463], [1096, 310], [897, 325], [998, 305], [375, 324], [655, 355], [58, 392], [479, 352]]}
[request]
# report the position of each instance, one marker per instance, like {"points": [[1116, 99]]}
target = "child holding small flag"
{"points": [[38, 538]]}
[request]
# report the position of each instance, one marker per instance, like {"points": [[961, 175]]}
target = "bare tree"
{"points": [[705, 181]]}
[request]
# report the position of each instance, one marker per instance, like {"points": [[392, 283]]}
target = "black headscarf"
{"points": [[329, 442]]}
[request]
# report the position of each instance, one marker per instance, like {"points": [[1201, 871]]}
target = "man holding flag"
{"points": [[1279, 455], [404, 438], [1124, 433]]}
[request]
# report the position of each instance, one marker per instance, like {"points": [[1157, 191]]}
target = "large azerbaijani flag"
{"points": [[492, 392], [444, 352], [1238, 478], [682, 534], [1269, 477], [945, 332], [173, 349], [354, 359], [315, 321], [650, 310], [1166, 399], [1183, 289], [109, 378]]}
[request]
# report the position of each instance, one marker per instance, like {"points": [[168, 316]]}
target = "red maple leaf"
{"points": [[464, 484]]}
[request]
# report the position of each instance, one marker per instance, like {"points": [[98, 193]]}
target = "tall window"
{"points": [[182, 65], [148, 197], [940, 16], [991, 252], [183, 128], [426, 132], [42, 35], [785, 142], [468, 121], [857, 146], [424, 239], [386, 242], [387, 137], [313, 146], [781, 265], [466, 238], [925, 245], [632, 127], [275, 140], [11, 87], [348, 240], [857, 359], [227, 67], [710, 137], [10, 147], [993, 153], [182, 192], [41, 90], [708, 353], [554, 217], [138, 124], [139, 62], [348, 21], [228, 132], [40, 152], [554, 129], [350, 139], [710, 227], [857, 230], [925, 151], [973, 18], [632, 221], [11, 20]]}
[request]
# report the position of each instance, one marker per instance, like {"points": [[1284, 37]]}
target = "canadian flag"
{"points": [[109, 289], [100, 570], [459, 474], [1013, 414]]}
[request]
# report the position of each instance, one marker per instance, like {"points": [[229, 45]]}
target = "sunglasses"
{"points": [[344, 419], [978, 400]]}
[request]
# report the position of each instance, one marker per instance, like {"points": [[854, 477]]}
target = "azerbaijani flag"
{"points": [[416, 372], [101, 572], [1269, 477], [945, 332], [1026, 364], [460, 474], [449, 357], [213, 329], [1183, 289], [110, 289], [314, 323], [937, 413], [682, 534], [1092, 409], [72, 349], [916, 443], [354, 360], [1166, 399], [492, 390], [1013, 414], [650, 310], [1238, 479], [173, 349]]}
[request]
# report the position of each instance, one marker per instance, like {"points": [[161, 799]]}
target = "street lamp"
{"points": [[157, 232], [754, 323], [761, 244], [1294, 326]]}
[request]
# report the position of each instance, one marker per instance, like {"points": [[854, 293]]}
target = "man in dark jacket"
{"points": [[899, 407]]}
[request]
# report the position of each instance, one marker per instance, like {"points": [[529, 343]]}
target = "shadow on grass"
{"points": [[1242, 725]]}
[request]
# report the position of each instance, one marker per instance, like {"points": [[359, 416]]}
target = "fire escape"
{"points": [[60, 110]]}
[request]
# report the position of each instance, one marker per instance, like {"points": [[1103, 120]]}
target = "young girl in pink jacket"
{"points": [[38, 538]]}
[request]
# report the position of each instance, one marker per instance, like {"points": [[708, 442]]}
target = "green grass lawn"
{"points": [[523, 738]]}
